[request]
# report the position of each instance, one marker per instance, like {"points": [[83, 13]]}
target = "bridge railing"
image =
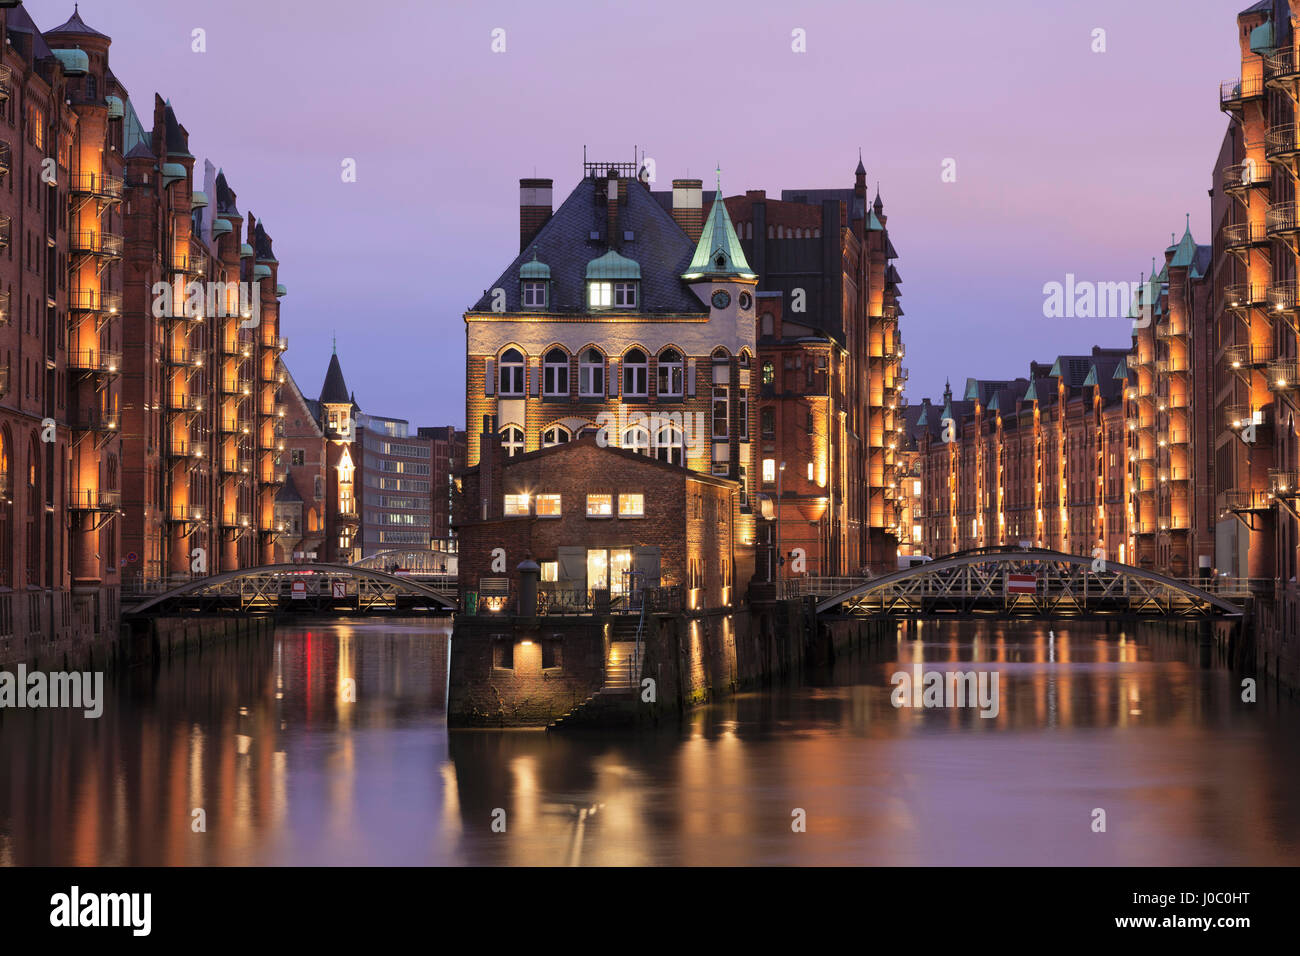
{"points": [[816, 586]]}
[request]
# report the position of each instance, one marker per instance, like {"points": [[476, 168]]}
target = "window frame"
{"points": [[552, 368], [670, 369], [588, 371], [516, 369]]}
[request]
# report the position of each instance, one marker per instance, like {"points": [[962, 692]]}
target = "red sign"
{"points": [[1022, 584], [299, 590]]}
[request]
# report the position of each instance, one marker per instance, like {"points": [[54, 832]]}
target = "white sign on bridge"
{"points": [[299, 590], [340, 589]]}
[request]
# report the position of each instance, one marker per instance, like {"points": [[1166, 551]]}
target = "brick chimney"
{"points": [[611, 209], [534, 208], [688, 206]]}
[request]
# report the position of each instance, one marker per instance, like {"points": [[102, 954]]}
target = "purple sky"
{"points": [[1067, 160]]}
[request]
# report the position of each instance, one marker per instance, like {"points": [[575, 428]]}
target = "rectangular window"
{"points": [[767, 423], [742, 410], [548, 506], [769, 470], [744, 494], [534, 295], [600, 506], [625, 295], [631, 506], [503, 654], [550, 570], [600, 295], [297, 456], [720, 409], [591, 380], [516, 505]]}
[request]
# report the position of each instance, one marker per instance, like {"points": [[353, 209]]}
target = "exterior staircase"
{"points": [[615, 702]]}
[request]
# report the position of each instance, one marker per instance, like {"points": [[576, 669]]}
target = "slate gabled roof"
{"points": [[175, 139], [262, 245], [659, 246]]}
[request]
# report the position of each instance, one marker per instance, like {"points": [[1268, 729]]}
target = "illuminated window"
{"points": [[810, 471], [550, 570], [769, 373], [600, 295], [591, 373], [516, 505], [600, 506], [769, 470], [548, 506], [631, 506]]}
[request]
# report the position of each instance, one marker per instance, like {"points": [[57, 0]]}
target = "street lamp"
{"points": [[780, 555]]}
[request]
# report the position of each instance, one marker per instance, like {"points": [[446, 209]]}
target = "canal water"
{"points": [[262, 738]]}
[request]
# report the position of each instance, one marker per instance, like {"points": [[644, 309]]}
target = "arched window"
{"points": [[555, 435], [591, 373], [637, 439], [769, 373], [636, 374], [555, 373], [512, 373], [670, 444], [744, 358], [670, 373], [512, 440]]}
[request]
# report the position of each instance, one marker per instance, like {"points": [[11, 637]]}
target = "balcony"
{"points": [[1237, 417], [6, 158], [1244, 235], [238, 465], [1284, 484], [94, 300], [193, 262], [93, 420], [185, 514], [1246, 501], [1239, 357], [95, 361], [82, 499], [236, 519], [1171, 330], [6, 83], [102, 244], [230, 424], [1233, 93], [1279, 68], [347, 515], [1281, 221], [184, 402], [106, 188], [184, 448], [6, 225], [1244, 295], [1239, 178], [1282, 375], [180, 357], [274, 476], [1170, 367], [4, 308]]}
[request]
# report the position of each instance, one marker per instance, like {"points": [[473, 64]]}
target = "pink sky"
{"points": [[1068, 161]]}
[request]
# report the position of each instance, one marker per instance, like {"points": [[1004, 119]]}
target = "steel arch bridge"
{"points": [[312, 588], [419, 561], [980, 583]]}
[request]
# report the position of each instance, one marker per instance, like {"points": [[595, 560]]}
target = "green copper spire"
{"points": [[718, 254], [1186, 250]]}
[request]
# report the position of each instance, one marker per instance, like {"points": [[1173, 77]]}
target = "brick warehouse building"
{"points": [[61, 338], [830, 404], [1039, 460], [586, 514], [612, 317], [202, 414]]}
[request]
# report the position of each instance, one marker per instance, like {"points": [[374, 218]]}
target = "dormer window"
{"points": [[612, 282], [600, 295], [534, 295], [534, 277]]}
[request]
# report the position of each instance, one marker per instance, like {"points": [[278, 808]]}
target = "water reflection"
{"points": [[328, 745]]}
